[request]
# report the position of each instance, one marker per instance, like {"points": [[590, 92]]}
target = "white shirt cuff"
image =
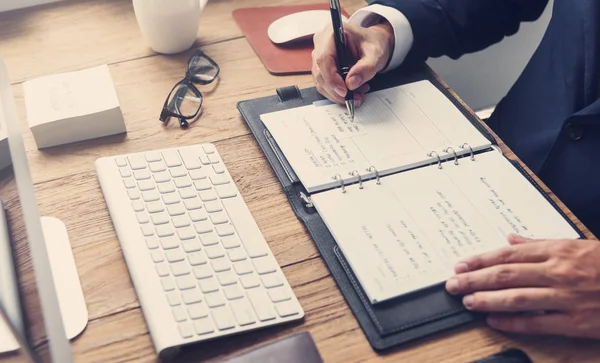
{"points": [[402, 30]]}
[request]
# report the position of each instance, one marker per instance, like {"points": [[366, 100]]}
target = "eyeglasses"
{"points": [[185, 100]]}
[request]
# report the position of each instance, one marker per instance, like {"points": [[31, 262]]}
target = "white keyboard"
{"points": [[200, 265]]}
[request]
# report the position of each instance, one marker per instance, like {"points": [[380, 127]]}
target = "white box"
{"points": [[4, 152], [75, 106]]}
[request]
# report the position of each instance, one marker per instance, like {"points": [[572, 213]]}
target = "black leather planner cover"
{"points": [[386, 324]]}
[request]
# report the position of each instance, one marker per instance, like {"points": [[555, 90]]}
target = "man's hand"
{"points": [[555, 283], [372, 47]]}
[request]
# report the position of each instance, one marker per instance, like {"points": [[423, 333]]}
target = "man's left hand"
{"points": [[535, 287]]}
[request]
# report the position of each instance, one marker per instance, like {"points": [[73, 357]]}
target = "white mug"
{"points": [[169, 26]]}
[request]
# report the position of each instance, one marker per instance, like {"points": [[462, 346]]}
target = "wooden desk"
{"points": [[75, 35]]}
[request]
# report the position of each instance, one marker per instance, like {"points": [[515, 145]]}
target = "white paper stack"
{"points": [[75, 106]]}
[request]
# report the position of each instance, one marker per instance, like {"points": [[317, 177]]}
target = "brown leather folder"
{"points": [[298, 348], [279, 60]]}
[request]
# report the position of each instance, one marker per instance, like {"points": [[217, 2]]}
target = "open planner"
{"points": [[396, 197]]}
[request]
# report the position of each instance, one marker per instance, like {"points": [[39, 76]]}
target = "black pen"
{"points": [[343, 58]]}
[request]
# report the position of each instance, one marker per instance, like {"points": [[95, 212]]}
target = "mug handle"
{"points": [[203, 4]]}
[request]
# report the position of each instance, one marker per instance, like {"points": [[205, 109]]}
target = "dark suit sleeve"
{"points": [[457, 27]]}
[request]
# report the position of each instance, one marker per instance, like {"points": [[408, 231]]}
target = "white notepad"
{"points": [[410, 187]]}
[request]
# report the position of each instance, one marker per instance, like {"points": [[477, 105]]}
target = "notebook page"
{"points": [[408, 233], [393, 130]]}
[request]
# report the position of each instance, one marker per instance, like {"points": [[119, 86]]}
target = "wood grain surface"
{"points": [[74, 35]]}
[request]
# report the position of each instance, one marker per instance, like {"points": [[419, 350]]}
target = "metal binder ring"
{"points": [[373, 170], [467, 146], [447, 150], [360, 181], [433, 153], [341, 180]]}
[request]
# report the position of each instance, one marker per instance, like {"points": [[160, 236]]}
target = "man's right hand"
{"points": [[372, 47]]}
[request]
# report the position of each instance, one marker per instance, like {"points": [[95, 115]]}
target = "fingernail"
{"points": [[340, 91], [354, 81], [452, 286], [468, 301], [461, 267]]}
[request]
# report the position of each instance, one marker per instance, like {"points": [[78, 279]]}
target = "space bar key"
{"points": [[246, 227]]}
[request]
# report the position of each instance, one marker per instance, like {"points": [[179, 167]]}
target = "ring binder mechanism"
{"points": [[439, 160], [448, 149], [306, 200], [373, 170], [467, 146], [360, 181], [341, 180]]}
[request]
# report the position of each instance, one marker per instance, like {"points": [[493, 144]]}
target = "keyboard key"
{"points": [[167, 187], [204, 159], [198, 215], [152, 242], [202, 272], [137, 162], [186, 233], [187, 193], [287, 308], [191, 296], [186, 282], [236, 254], [249, 281], [243, 267], [190, 158], [244, 315], [198, 174], [157, 167], [185, 330], [214, 206], [145, 185], [171, 198], [219, 168], [208, 148], [204, 326], [125, 172], [203, 184], [164, 231], [133, 194], [214, 159], [261, 304], [271, 280], [142, 217], [181, 221], [226, 191], [219, 218], [167, 283], [169, 243], [157, 256], [219, 179], [209, 239], [197, 258], [177, 172], [203, 227], [207, 195], [129, 183], [174, 255], [197, 311], [153, 156], [279, 294], [193, 203], [121, 161], [230, 242], [155, 207], [137, 205], [245, 226], [192, 245], [214, 299], [142, 175], [148, 230], [160, 218], [233, 292], [215, 251], [180, 268], [224, 230], [176, 209], [264, 265], [208, 285], [227, 278], [163, 269], [179, 314], [173, 298], [162, 177], [171, 158], [220, 265], [150, 196], [183, 182], [223, 319]]}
